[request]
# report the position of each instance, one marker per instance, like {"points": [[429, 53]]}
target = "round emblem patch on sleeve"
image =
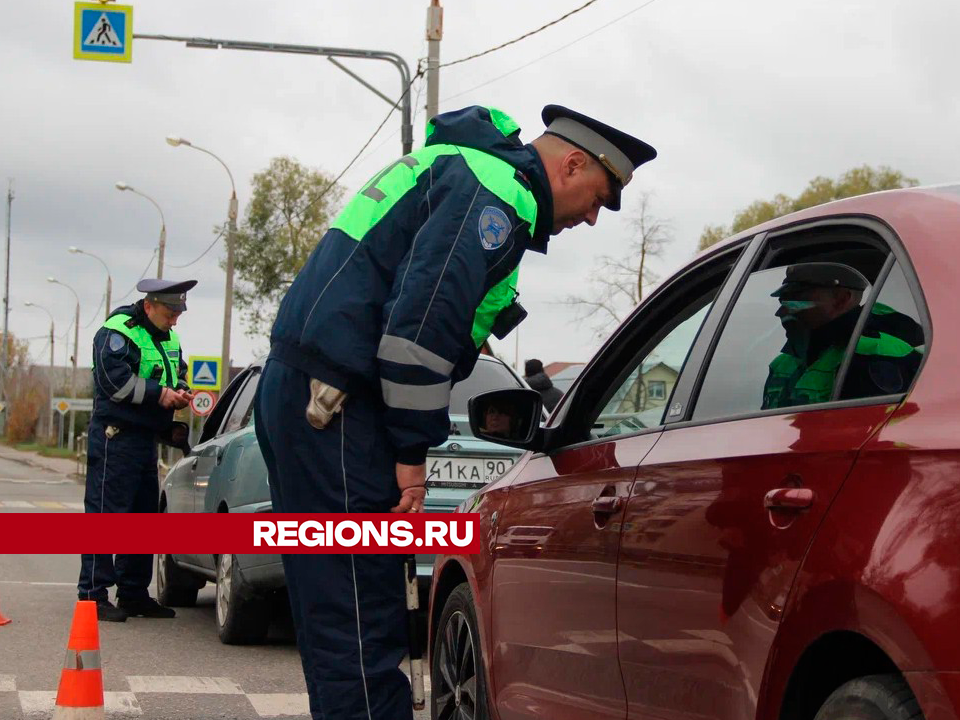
{"points": [[494, 227], [116, 342]]}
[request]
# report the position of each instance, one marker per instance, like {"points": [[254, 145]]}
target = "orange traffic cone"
{"points": [[4, 620], [80, 696]]}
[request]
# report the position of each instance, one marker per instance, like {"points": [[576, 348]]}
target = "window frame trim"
{"points": [[557, 432]]}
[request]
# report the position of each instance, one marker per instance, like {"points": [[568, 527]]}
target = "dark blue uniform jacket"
{"points": [[416, 278]]}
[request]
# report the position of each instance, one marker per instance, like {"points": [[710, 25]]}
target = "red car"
{"points": [[748, 503]]}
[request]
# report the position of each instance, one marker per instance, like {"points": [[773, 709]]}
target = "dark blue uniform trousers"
{"points": [[121, 478], [349, 610]]}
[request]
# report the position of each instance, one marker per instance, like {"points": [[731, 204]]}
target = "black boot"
{"points": [[145, 607], [108, 612]]}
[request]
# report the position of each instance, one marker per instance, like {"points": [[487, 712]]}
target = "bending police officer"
{"points": [[390, 310], [139, 381]]}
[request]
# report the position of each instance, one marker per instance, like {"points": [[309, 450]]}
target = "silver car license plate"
{"points": [[465, 471]]}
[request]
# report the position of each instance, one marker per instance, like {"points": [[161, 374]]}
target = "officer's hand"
{"points": [[186, 395], [172, 400], [412, 481]]}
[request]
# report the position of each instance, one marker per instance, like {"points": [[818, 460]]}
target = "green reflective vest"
{"points": [[159, 359], [792, 382], [371, 204]]}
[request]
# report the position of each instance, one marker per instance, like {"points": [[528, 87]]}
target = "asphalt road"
{"points": [[153, 669]]}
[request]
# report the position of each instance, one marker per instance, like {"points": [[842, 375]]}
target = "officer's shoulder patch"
{"points": [[494, 227], [117, 341]]}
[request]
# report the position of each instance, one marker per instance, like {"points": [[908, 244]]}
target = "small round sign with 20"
{"points": [[203, 402]]}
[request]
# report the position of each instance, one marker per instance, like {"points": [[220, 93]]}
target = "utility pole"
{"points": [[228, 300], [4, 358], [434, 36], [73, 381]]}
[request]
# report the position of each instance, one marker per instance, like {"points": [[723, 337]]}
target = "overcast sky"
{"points": [[742, 98]]}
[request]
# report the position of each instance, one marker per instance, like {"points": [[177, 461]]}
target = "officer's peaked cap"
{"points": [[618, 152], [172, 293], [820, 274]]}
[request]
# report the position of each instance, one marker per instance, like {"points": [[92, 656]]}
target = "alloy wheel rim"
{"points": [[224, 583], [456, 686]]}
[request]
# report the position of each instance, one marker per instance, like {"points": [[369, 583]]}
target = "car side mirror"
{"points": [[507, 417], [177, 435]]}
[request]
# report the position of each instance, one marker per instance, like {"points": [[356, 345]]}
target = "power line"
{"points": [[198, 259], [522, 37], [96, 313], [142, 275], [376, 132], [552, 52]]}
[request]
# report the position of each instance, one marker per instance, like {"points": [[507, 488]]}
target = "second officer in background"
{"points": [[139, 382]]}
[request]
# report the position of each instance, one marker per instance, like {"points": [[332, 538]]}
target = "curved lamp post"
{"points": [[231, 246], [76, 352], [163, 224], [109, 279]]}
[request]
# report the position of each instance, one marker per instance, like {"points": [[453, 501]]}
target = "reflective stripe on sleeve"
{"points": [[415, 397], [406, 352], [140, 391], [127, 388]]}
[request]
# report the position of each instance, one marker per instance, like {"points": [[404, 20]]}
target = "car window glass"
{"points": [[890, 348], [640, 400], [779, 351], [243, 407], [486, 376], [215, 419]]}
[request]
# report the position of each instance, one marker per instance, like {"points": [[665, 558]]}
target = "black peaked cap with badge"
{"points": [[618, 152], [172, 293], [801, 276]]}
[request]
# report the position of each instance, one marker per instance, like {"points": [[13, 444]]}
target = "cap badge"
{"points": [[494, 227]]}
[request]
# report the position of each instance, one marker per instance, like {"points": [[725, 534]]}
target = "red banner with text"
{"points": [[253, 533]]}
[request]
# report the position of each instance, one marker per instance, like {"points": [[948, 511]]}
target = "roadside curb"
{"points": [[60, 466]]}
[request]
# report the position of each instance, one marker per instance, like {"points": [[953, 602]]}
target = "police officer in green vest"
{"points": [[390, 310], [819, 310], [139, 381]]}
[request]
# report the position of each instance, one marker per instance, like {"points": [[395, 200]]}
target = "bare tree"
{"points": [[616, 284]]}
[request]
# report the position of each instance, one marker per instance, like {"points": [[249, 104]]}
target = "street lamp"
{"points": [[41, 307], [76, 352], [231, 245], [163, 224], [109, 279]]}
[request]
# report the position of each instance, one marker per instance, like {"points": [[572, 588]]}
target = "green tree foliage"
{"points": [[858, 181], [284, 221]]}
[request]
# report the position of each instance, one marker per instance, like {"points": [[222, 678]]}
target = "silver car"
{"points": [[225, 472]]}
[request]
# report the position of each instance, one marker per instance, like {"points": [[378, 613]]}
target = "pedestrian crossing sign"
{"points": [[204, 372], [103, 32]]}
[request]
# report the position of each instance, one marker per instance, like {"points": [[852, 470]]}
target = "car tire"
{"points": [[457, 675], [175, 587], [874, 697], [242, 617]]}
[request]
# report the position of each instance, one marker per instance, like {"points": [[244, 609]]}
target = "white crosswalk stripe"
{"points": [[40, 703], [35, 704]]}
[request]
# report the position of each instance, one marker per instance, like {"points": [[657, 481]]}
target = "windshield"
{"points": [[486, 376]]}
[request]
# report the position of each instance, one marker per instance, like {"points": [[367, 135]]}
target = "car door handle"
{"points": [[220, 454], [788, 498], [193, 465], [607, 504]]}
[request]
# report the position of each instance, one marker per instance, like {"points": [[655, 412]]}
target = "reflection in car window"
{"points": [[641, 399], [779, 348], [486, 376], [242, 409], [890, 349]]}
